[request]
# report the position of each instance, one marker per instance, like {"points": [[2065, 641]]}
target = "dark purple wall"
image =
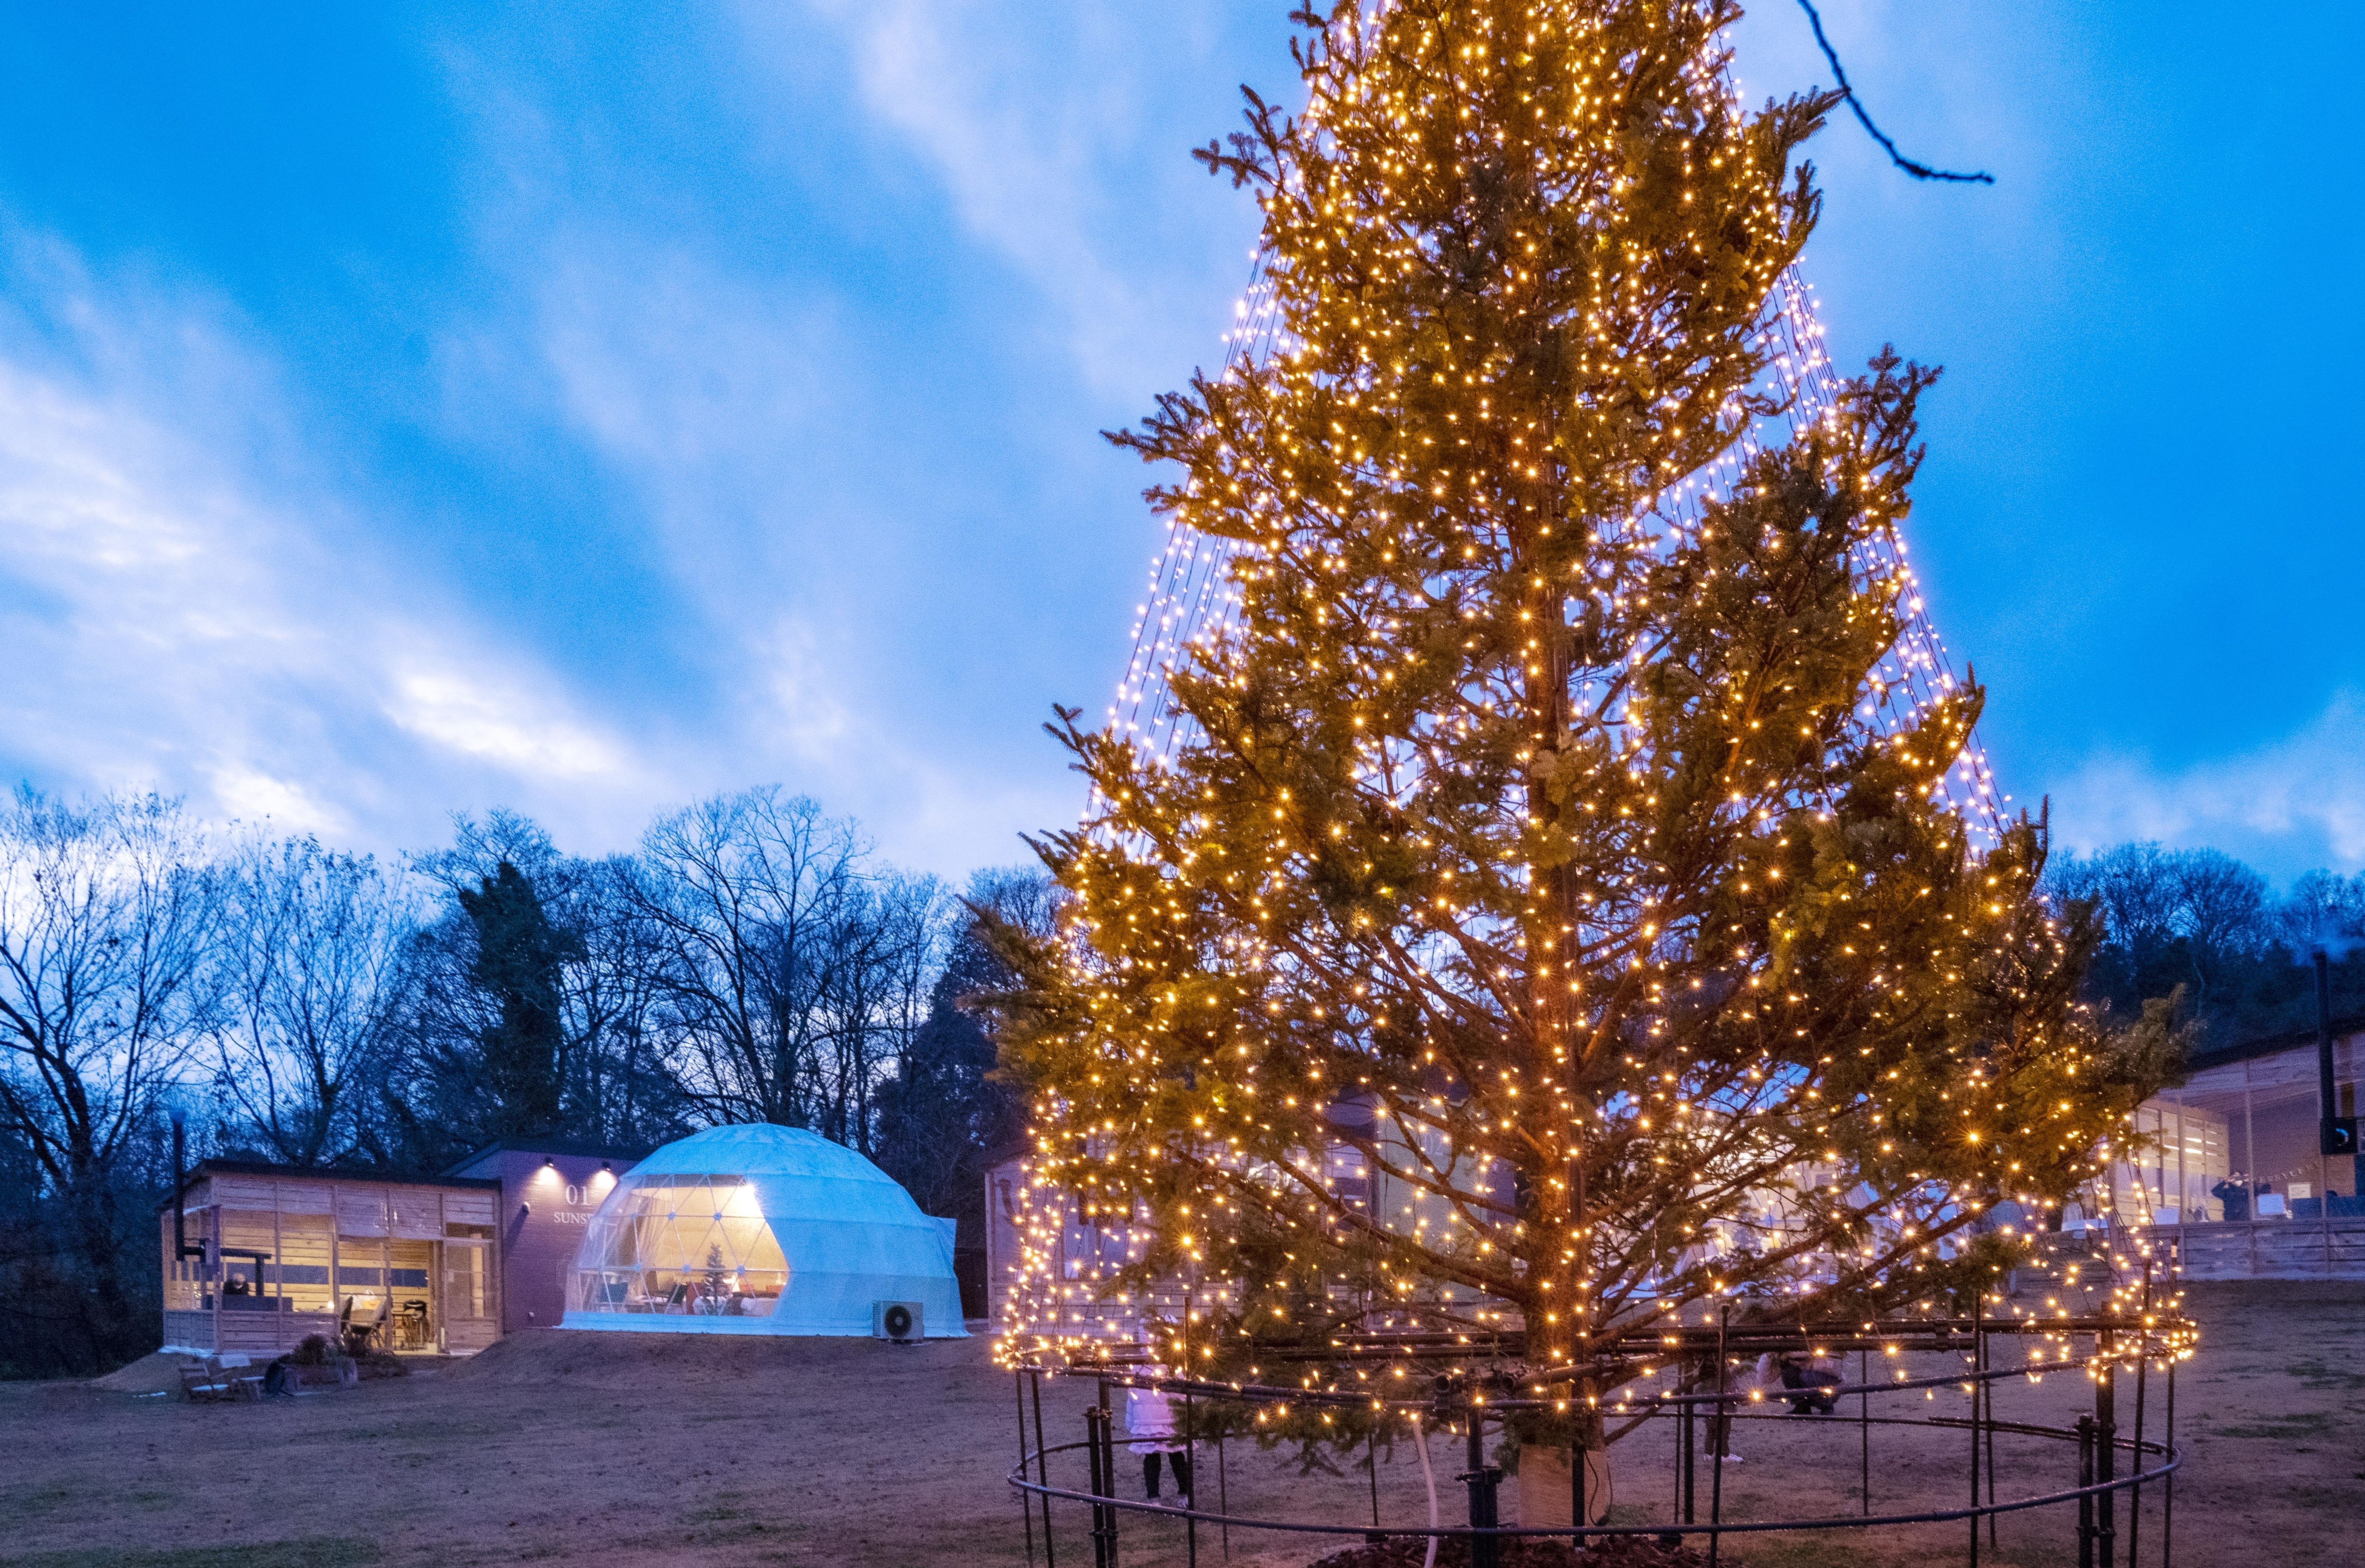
{"points": [[545, 1208]]}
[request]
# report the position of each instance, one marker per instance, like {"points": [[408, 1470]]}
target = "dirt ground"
{"points": [[646, 1450]]}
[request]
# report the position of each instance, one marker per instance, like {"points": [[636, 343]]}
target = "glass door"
{"points": [[467, 1296]]}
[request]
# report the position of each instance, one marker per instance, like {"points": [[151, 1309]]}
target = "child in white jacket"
{"points": [[1150, 1423]]}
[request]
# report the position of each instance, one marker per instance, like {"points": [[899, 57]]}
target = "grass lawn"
{"points": [[633, 1450]]}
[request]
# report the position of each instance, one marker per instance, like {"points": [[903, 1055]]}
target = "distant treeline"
{"points": [[2202, 921], [753, 960]]}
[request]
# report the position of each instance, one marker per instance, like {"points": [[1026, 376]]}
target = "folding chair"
{"points": [[202, 1384]]}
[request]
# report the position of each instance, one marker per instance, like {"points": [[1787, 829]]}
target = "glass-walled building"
{"points": [[442, 1264], [760, 1230], [257, 1258], [2238, 1141], [2180, 1177]]}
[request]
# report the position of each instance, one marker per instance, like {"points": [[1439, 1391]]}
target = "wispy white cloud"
{"points": [[721, 403], [2296, 803], [503, 725], [733, 412], [188, 610], [1035, 121], [243, 794], [778, 441]]}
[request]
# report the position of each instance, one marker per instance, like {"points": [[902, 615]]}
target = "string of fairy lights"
{"points": [[1192, 601], [1192, 598], [1078, 1288]]}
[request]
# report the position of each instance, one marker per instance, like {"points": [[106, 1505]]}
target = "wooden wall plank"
{"points": [[418, 1214], [242, 1191], [471, 1334], [192, 1329], [298, 1195], [361, 1211]]}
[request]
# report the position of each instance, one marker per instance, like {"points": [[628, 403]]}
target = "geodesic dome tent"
{"points": [[760, 1230]]}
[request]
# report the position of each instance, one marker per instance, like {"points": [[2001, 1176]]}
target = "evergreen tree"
{"points": [[945, 1113], [619, 1084], [1553, 845], [519, 956]]}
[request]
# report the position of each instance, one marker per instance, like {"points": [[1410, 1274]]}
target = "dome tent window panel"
{"points": [[817, 1233], [681, 1246]]}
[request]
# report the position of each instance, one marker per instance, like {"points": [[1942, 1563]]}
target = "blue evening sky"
{"points": [[589, 407]]}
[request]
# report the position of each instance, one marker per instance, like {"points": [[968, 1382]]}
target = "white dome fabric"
{"points": [[760, 1229]]}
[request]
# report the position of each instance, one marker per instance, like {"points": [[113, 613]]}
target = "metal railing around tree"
{"points": [[1469, 1402]]}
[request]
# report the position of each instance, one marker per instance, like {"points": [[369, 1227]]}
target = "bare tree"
{"points": [[622, 1086], [2197, 926], [786, 947], [2324, 906], [107, 911], [888, 946], [311, 957], [2134, 886], [742, 892], [2222, 915]]}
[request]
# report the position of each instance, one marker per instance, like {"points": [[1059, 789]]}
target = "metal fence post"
{"points": [[1092, 1461], [1103, 1483], [2135, 1492], [1191, 1493], [1987, 1401], [2167, 1487], [1043, 1474], [1978, 1339], [1864, 1422], [1486, 1550], [2106, 1452], [1025, 1504], [1578, 1515], [1720, 1424], [1108, 1469], [1691, 1462], [2085, 1499]]}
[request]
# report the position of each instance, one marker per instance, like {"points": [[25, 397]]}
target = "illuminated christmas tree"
{"points": [[1550, 915]]}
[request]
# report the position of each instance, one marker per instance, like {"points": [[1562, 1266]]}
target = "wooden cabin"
{"points": [[269, 1254]]}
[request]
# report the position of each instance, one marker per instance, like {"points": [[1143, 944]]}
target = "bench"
{"points": [[215, 1379]]}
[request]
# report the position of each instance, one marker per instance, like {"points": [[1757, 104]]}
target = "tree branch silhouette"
{"points": [[1918, 171]]}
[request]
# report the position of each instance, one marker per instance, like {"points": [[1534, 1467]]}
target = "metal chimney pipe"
{"points": [[2324, 1039], [180, 1191], [2330, 1107]]}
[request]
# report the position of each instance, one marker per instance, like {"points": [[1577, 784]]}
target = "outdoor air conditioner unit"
{"points": [[896, 1320]]}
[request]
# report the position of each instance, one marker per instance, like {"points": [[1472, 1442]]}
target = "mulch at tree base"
{"points": [[1519, 1551]]}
